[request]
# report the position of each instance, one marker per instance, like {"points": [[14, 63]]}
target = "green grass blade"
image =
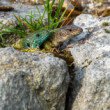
{"points": [[44, 4], [27, 24], [57, 14], [53, 1], [61, 18], [46, 27], [2, 38], [20, 23], [60, 5], [43, 16], [32, 20]]}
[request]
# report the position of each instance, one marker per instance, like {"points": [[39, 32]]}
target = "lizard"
{"points": [[49, 39]]}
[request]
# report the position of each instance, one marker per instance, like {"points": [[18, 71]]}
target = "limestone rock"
{"points": [[91, 86], [32, 2], [20, 9], [32, 81]]}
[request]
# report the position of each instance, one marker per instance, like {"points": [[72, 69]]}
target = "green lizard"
{"points": [[48, 39], [36, 39]]}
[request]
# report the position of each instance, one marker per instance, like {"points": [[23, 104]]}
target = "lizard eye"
{"points": [[28, 44], [37, 35]]}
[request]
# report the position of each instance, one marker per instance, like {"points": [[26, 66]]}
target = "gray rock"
{"points": [[20, 9], [91, 86], [32, 81]]}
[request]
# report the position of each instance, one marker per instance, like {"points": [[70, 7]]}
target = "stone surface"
{"points": [[19, 10], [31, 2], [91, 52], [32, 81]]}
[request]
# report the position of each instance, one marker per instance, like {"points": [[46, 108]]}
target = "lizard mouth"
{"points": [[69, 32], [78, 31]]}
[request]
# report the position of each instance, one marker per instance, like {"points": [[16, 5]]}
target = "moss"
{"points": [[107, 31], [105, 24], [89, 62], [84, 66], [104, 36]]}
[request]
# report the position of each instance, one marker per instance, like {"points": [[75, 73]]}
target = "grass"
{"points": [[33, 24], [100, 0]]}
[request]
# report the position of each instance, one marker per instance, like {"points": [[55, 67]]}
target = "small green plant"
{"points": [[8, 29], [105, 24], [100, 0], [35, 24], [107, 31], [57, 17]]}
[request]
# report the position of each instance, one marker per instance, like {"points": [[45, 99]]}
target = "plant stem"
{"points": [[48, 11]]}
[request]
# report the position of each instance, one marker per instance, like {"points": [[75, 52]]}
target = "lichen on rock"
{"points": [[32, 81]]}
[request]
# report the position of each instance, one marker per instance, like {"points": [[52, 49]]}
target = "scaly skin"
{"points": [[36, 39], [32, 41], [63, 34], [54, 39]]}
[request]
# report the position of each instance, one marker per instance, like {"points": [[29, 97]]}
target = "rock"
{"points": [[20, 9], [32, 2], [88, 23], [91, 85], [32, 81]]}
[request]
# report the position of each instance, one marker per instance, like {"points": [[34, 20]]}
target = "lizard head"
{"points": [[66, 33], [36, 39]]}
